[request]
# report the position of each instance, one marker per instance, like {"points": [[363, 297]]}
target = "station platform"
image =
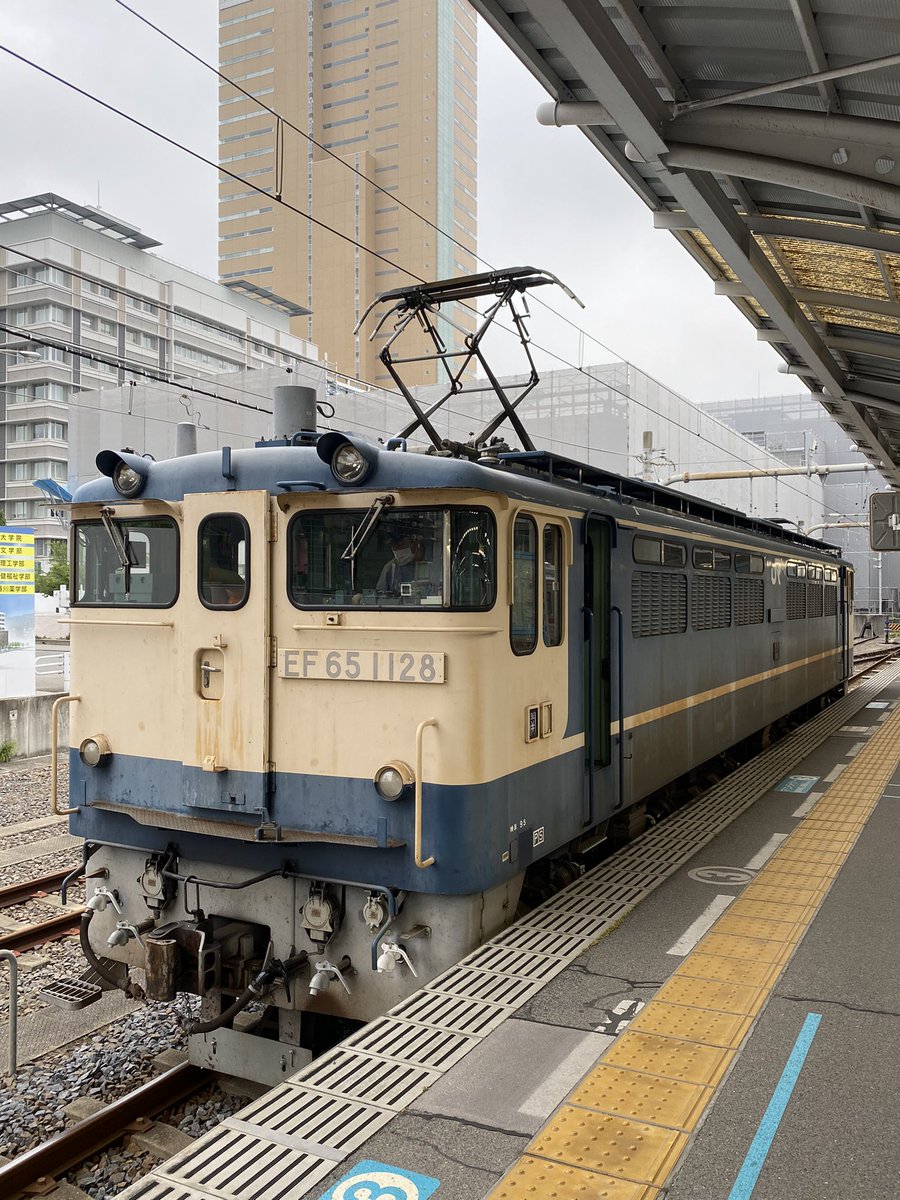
{"points": [[711, 1014]]}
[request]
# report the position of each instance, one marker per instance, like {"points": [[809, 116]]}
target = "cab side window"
{"points": [[223, 567], [523, 614], [553, 583]]}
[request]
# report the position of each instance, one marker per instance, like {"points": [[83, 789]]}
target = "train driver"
{"points": [[400, 568]]}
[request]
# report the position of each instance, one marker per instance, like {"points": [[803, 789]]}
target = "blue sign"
{"points": [[797, 783], [377, 1181]]}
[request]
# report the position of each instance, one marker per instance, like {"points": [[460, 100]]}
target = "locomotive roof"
{"points": [[536, 475]]}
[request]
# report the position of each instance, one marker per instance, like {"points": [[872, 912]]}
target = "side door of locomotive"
{"points": [[224, 652], [597, 661]]}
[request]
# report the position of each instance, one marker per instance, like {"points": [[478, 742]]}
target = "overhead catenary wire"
{"points": [[195, 154], [393, 196], [343, 237], [128, 365]]}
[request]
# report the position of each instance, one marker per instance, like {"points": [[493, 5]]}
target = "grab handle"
{"points": [[420, 731], [54, 755]]}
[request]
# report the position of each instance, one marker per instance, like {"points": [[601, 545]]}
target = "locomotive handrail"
{"points": [[485, 630], [420, 731], [54, 755], [105, 621]]}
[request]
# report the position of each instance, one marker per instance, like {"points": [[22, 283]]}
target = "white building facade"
{"points": [[85, 305]]}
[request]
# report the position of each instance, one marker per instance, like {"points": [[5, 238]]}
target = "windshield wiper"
{"points": [[120, 544], [361, 533]]}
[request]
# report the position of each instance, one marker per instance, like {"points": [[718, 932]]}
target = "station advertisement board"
{"points": [[16, 611]]}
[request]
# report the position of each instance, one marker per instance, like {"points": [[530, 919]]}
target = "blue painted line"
{"points": [[768, 1126]]}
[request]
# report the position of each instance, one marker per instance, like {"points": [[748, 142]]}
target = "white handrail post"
{"points": [[13, 1031]]}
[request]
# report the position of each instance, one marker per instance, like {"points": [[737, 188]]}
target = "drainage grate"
{"points": [[434, 1008], [385, 1082], [509, 961], [548, 943], [424, 1045], [569, 923], [325, 1125], [486, 985], [230, 1163], [151, 1188]]}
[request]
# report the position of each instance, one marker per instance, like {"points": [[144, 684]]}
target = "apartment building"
{"points": [[86, 305], [376, 104]]}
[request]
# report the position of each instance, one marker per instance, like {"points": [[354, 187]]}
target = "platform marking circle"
{"points": [[722, 876], [377, 1181]]}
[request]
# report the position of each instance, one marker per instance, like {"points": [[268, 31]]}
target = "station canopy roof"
{"points": [[766, 137]]}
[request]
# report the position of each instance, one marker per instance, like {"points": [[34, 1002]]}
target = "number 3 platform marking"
{"points": [[378, 1181]]}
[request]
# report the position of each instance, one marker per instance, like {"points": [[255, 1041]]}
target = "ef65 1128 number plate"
{"points": [[380, 666]]}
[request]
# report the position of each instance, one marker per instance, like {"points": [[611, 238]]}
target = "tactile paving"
{"points": [[728, 970], [764, 910], [669, 1058], [602, 1142], [642, 1097], [692, 1024], [781, 931], [705, 993], [540, 1179], [748, 949]]}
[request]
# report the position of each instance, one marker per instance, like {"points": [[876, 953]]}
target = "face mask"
{"points": [[403, 557]]}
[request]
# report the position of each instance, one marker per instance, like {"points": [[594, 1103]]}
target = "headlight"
{"points": [[95, 751], [126, 480], [352, 459], [129, 472], [348, 464], [393, 780]]}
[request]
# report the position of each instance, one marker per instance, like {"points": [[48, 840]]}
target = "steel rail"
{"points": [[27, 936], [36, 1168], [14, 893]]}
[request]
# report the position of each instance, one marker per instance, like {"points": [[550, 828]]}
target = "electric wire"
{"points": [[195, 154], [393, 196], [343, 237], [122, 363]]}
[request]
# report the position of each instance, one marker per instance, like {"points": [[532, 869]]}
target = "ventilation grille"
{"points": [[749, 601], [796, 600], [658, 603], [711, 602], [814, 599], [830, 600]]}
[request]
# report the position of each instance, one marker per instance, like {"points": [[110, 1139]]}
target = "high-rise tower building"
{"points": [[377, 100]]}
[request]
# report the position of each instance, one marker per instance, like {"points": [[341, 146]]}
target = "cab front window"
{"points": [[126, 563], [419, 558]]}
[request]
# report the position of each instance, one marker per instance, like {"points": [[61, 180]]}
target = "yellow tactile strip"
{"points": [[622, 1131]]}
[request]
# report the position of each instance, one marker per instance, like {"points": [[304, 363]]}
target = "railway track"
{"points": [[36, 1170], [27, 936], [29, 889], [871, 660]]}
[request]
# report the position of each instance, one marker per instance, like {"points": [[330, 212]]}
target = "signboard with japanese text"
{"points": [[16, 611]]}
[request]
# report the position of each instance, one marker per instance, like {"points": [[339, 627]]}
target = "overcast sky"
{"points": [[546, 197]]}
